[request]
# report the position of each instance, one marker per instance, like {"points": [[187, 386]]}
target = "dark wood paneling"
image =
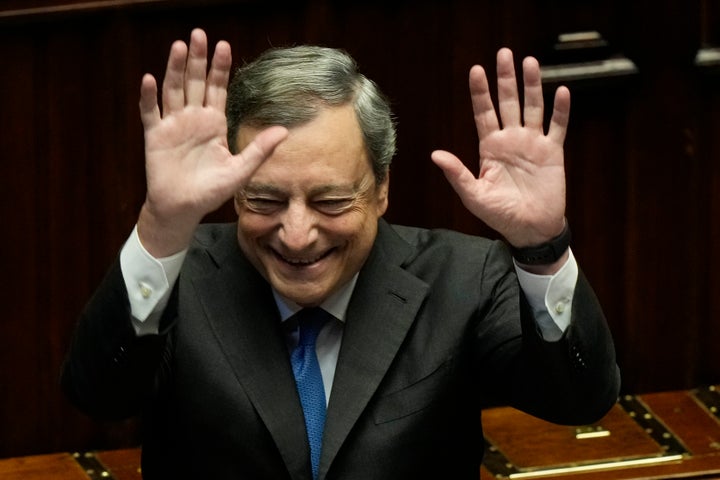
{"points": [[642, 155], [708, 76]]}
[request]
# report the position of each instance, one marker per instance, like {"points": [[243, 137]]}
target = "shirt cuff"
{"points": [[148, 281], [551, 294]]}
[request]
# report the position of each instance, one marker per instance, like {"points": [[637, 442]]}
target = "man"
{"points": [[194, 325]]}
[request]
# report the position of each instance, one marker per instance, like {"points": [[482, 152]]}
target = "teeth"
{"points": [[300, 261]]}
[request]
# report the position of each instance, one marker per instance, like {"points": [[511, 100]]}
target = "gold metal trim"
{"points": [[596, 466], [587, 432]]}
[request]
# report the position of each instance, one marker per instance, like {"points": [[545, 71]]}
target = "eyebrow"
{"points": [[267, 189], [260, 188]]}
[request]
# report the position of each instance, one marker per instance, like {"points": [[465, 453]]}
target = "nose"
{"points": [[298, 227]]}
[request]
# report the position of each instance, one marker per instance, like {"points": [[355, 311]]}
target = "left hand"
{"points": [[520, 190]]}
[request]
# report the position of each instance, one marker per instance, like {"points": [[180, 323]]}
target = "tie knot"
{"points": [[310, 321]]}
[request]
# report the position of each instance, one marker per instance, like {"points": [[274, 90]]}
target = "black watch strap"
{"points": [[545, 253]]}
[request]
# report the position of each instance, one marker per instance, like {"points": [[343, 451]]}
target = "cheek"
{"points": [[352, 224], [358, 227], [252, 226]]}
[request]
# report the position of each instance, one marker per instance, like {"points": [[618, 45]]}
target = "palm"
{"points": [[521, 179], [520, 188], [190, 170], [185, 154]]}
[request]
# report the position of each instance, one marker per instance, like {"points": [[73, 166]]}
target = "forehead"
{"points": [[329, 146]]}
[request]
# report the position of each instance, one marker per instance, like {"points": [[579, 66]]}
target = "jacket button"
{"points": [[120, 357]]}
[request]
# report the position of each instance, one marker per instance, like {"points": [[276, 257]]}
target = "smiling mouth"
{"points": [[301, 262]]}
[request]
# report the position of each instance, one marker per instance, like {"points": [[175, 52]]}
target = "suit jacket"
{"points": [[436, 328]]}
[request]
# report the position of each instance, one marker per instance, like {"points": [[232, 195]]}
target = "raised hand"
{"points": [[520, 188], [190, 169]]}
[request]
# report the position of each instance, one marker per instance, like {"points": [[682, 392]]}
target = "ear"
{"points": [[236, 203], [382, 191]]}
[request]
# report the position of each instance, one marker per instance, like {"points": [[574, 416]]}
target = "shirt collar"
{"points": [[336, 304]]}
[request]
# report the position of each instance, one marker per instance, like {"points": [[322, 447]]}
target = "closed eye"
{"points": [[263, 205], [333, 206]]}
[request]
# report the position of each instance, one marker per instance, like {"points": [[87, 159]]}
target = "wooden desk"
{"points": [[109, 465], [653, 436]]}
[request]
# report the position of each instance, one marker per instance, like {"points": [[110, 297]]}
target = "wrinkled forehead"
{"points": [[332, 143]]}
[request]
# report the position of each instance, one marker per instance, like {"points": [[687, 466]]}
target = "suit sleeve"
{"points": [[109, 371], [574, 380]]}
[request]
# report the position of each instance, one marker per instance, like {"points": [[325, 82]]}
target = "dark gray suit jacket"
{"points": [[436, 328]]}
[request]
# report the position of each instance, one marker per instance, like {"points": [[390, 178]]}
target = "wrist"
{"points": [[163, 238], [547, 253]]}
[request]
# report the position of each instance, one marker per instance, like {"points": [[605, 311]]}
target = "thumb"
{"points": [[262, 146], [460, 178]]}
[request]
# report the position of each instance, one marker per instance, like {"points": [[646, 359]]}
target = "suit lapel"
{"points": [[241, 311], [239, 306], [383, 307]]}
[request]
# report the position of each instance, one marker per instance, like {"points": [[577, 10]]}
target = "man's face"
{"points": [[308, 217]]}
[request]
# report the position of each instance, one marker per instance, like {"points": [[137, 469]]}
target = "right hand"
{"points": [[189, 167]]}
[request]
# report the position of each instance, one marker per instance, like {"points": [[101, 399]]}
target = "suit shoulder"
{"points": [[449, 249], [422, 238], [208, 234], [214, 242]]}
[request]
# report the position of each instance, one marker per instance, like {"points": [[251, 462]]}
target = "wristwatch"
{"points": [[544, 253]]}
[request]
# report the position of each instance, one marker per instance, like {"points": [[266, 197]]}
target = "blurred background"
{"points": [[642, 156]]}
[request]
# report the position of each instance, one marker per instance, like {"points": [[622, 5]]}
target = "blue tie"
{"points": [[309, 379]]}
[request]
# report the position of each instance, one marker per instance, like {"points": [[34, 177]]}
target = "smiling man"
{"points": [[310, 232], [312, 339]]}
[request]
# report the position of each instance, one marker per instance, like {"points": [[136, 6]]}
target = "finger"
{"points": [[219, 76], [533, 105], [508, 101], [149, 109], [486, 120], [560, 116], [461, 179], [196, 68], [257, 151], [173, 95]]}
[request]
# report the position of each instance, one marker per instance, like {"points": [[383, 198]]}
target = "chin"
{"points": [[304, 298]]}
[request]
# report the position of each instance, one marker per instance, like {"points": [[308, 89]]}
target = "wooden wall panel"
{"points": [[708, 81], [642, 155]]}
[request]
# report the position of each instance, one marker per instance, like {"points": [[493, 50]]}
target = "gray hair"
{"points": [[289, 86]]}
